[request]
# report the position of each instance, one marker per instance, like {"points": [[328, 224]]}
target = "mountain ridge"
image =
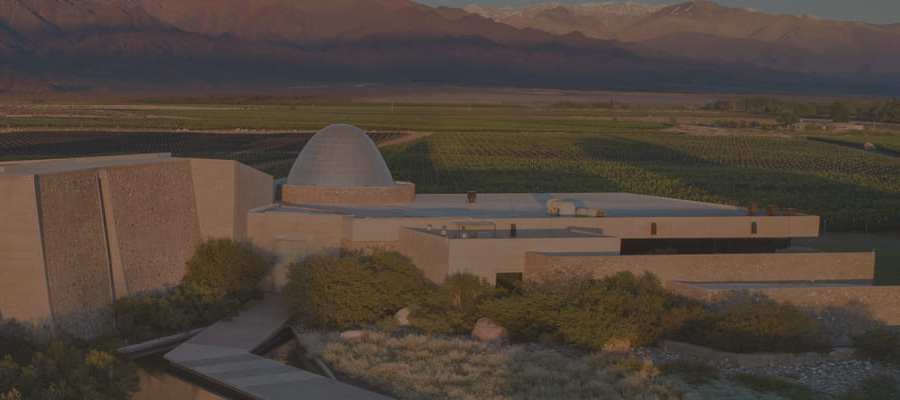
{"points": [[99, 42]]}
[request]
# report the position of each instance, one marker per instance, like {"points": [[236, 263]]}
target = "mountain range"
{"points": [[694, 46]]}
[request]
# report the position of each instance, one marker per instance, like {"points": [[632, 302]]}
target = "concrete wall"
{"points": [[75, 251], [155, 220], [252, 189], [23, 281], [400, 193], [439, 256], [213, 182], [883, 302], [428, 252], [291, 236], [711, 267]]}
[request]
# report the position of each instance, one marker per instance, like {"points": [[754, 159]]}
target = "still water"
{"points": [[160, 381]]}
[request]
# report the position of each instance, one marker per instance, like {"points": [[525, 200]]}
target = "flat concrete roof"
{"points": [[454, 234], [57, 165], [523, 205]]}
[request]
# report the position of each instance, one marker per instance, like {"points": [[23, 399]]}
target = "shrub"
{"points": [[55, 369], [186, 307], [591, 313], [234, 268], [879, 344], [453, 308], [755, 325], [352, 290], [881, 387], [777, 386]]}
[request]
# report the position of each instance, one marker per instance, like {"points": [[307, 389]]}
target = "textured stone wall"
{"points": [[711, 267], [78, 272], [401, 193], [23, 281], [155, 220]]}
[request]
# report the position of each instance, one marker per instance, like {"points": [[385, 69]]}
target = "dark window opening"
{"points": [[702, 246], [509, 280]]}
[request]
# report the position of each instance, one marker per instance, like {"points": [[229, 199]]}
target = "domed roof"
{"points": [[342, 156]]}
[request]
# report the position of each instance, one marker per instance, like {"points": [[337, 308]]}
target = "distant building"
{"points": [[79, 233]]}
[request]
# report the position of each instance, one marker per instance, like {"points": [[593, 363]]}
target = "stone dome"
{"points": [[340, 156]]}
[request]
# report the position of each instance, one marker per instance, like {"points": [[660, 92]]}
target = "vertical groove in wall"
{"points": [[40, 217], [109, 265], [235, 209]]}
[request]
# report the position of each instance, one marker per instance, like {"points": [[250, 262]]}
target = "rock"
{"points": [[488, 331], [843, 354], [870, 147], [617, 345], [402, 317], [352, 335]]}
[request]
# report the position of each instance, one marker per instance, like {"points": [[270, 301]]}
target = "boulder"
{"points": [[402, 317], [617, 345], [352, 335], [487, 330]]}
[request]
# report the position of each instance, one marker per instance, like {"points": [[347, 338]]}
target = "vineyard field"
{"points": [[850, 188]]}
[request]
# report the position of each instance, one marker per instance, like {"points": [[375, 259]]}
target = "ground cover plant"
{"points": [[36, 368], [421, 367], [222, 275]]}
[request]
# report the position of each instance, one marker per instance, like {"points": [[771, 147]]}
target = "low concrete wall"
{"points": [[881, 302], [400, 193], [711, 267]]}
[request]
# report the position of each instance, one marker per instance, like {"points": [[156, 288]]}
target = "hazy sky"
{"points": [[882, 11]]}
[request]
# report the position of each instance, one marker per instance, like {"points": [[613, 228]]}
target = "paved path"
{"points": [[223, 354]]}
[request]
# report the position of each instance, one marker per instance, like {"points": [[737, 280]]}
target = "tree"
{"points": [[840, 112], [787, 118]]}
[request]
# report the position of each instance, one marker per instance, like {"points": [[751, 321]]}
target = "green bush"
{"points": [[185, 307], [591, 313], [453, 308], [755, 325], [57, 370], [879, 344], [353, 290], [234, 268]]}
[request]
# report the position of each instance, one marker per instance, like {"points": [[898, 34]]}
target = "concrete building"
{"points": [[340, 195], [79, 233]]}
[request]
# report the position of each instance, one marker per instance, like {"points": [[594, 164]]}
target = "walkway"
{"points": [[223, 354]]}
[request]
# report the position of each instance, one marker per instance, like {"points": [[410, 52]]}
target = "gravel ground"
{"points": [[830, 377]]}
